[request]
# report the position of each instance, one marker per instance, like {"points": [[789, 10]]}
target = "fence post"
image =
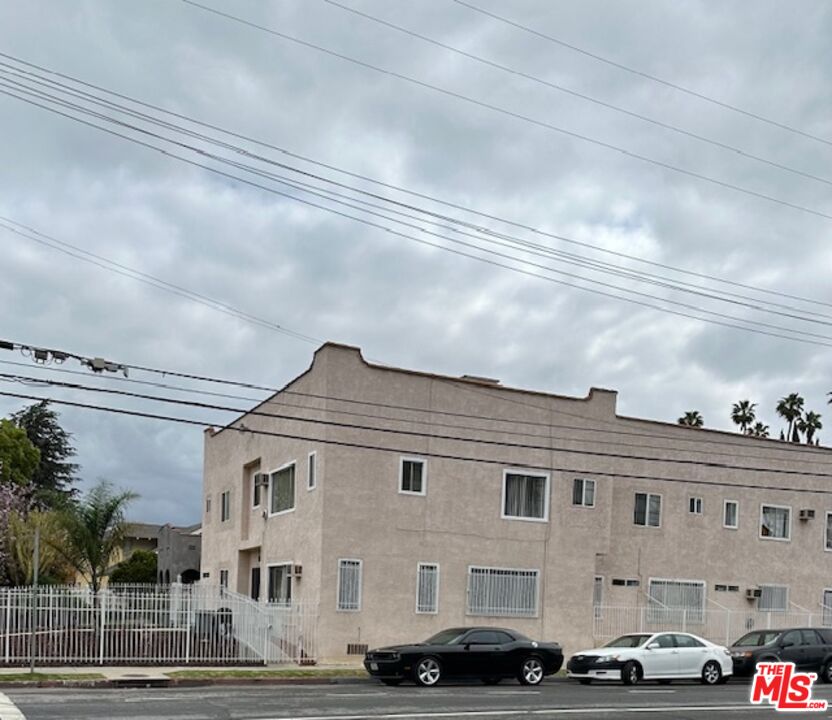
{"points": [[187, 599], [102, 606], [267, 628], [8, 627]]}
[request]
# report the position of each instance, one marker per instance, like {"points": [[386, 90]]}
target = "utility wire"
{"points": [[517, 115], [428, 453], [411, 192], [574, 93], [641, 73]]}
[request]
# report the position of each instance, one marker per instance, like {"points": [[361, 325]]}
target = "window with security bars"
{"points": [[775, 522], [676, 601], [827, 608], [647, 510], [597, 595], [525, 496], [583, 492], [773, 598], [349, 585], [427, 588], [282, 490], [501, 592]]}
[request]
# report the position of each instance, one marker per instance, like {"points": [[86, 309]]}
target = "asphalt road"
{"points": [[554, 699]]}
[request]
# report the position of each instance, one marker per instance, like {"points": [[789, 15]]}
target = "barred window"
{"points": [[597, 595], [648, 510], [427, 588], [525, 496], [773, 598], [827, 608], [282, 490], [349, 585], [675, 601], [501, 592]]}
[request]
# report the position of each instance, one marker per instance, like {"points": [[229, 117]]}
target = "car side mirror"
{"points": [[467, 646], [653, 646]]}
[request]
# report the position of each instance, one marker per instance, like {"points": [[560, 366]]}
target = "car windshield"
{"points": [[757, 638], [629, 641], [446, 637]]}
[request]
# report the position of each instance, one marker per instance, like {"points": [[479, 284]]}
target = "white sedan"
{"points": [[662, 656]]}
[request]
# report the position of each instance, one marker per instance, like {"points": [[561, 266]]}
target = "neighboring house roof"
{"points": [[142, 531]]}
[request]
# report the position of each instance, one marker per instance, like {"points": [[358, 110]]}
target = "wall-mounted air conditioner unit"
{"points": [[806, 514], [297, 570], [753, 593]]}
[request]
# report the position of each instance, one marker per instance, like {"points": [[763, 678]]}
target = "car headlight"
{"points": [[607, 658], [726, 651], [740, 654]]}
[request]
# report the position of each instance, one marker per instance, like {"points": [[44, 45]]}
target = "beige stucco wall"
{"points": [[357, 511]]}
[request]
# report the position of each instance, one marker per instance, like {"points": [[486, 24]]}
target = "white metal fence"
{"points": [[159, 625], [715, 624]]}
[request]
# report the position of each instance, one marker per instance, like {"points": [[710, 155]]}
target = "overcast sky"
{"points": [[406, 304]]}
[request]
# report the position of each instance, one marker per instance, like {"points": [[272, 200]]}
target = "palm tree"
{"points": [[94, 530], [742, 413], [809, 424], [692, 418], [790, 408], [758, 429]]}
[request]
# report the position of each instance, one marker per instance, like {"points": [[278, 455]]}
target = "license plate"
{"points": [[373, 666]]}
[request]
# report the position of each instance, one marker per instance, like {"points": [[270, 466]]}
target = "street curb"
{"points": [[129, 683]]}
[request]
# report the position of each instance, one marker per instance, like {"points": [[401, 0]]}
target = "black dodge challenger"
{"points": [[488, 653]]}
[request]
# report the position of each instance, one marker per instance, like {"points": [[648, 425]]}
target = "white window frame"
{"points": [[826, 535], [419, 567], [225, 506], [414, 459], [284, 563], [826, 610], [360, 585], [583, 503], [534, 571], [778, 507], [294, 489], [253, 476], [736, 503], [224, 578], [597, 608], [695, 500], [647, 509], [312, 470], [777, 610], [546, 493], [682, 581]]}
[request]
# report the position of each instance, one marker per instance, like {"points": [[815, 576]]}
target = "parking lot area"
{"points": [[556, 698]]}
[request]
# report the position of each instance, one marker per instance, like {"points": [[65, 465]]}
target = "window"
{"points": [[775, 522], [686, 641], [258, 481], [597, 595], [525, 497], [648, 510], [312, 471], [695, 506], [224, 578], [501, 592], [583, 492], [676, 601], [349, 585], [412, 476], [225, 506], [773, 598], [282, 484], [827, 538], [626, 582], [731, 514], [427, 588], [280, 583], [482, 637], [207, 504], [826, 601]]}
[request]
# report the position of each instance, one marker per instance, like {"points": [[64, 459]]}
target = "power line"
{"points": [[428, 454], [648, 76], [413, 193], [436, 245], [583, 96]]}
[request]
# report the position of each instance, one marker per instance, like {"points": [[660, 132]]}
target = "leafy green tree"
{"points": [[758, 429], [692, 418], [140, 567], [743, 414], [790, 408], [809, 424], [54, 475], [20, 541], [94, 531], [18, 456]]}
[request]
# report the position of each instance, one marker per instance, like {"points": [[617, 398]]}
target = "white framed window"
{"points": [[773, 598], [349, 585], [597, 595], [775, 522], [675, 601], [259, 483], [647, 511], [730, 514], [312, 471], [826, 603], [583, 492], [413, 476], [279, 586], [502, 592], [827, 533], [282, 489], [695, 505], [225, 506], [525, 495], [427, 588], [224, 578]]}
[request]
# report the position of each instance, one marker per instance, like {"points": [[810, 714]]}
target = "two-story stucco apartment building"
{"points": [[415, 501]]}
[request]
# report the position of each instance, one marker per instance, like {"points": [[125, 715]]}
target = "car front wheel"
{"points": [[427, 672], [531, 671], [826, 672], [630, 673], [711, 673]]}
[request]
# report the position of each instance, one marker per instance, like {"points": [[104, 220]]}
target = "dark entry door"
{"points": [[255, 583]]}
